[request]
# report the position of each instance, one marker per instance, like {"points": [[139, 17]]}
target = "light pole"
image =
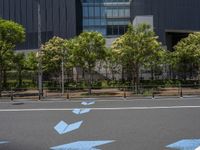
{"points": [[39, 51], [63, 75]]}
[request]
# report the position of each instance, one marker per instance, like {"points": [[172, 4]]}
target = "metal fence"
{"points": [[150, 91]]}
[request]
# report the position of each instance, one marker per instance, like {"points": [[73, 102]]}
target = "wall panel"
{"points": [[58, 18], [169, 14]]}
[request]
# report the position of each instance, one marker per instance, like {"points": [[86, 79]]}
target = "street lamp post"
{"points": [[63, 79], [63, 71], [39, 51]]}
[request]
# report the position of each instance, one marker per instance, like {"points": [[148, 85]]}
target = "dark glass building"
{"points": [[58, 18], [172, 19], [110, 17]]}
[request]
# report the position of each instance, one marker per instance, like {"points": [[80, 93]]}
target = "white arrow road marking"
{"points": [[4, 142], [62, 127], [81, 145], [198, 148], [88, 103], [80, 111]]}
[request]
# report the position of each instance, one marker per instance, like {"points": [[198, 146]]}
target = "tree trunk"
{"points": [[122, 75], [170, 72], [185, 71], [137, 79], [113, 76], [0, 80], [152, 73], [134, 79], [83, 73], [20, 78], [4, 78], [77, 77], [106, 72], [1, 76], [90, 82]]}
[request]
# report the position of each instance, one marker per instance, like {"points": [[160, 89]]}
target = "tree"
{"points": [[19, 61], [11, 33], [31, 65], [7, 64], [54, 52], [112, 62], [55, 56], [186, 56], [89, 48], [137, 48], [31, 61]]}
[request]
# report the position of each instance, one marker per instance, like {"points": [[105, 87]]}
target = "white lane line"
{"points": [[117, 108]]}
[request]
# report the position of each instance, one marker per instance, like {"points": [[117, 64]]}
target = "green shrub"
{"points": [[97, 85]]}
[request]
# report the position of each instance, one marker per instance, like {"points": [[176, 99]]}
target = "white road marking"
{"points": [[198, 148], [117, 108]]}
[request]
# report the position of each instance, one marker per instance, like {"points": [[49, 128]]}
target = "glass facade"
{"points": [[110, 17]]}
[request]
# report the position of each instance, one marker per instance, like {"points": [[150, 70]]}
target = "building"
{"points": [[58, 18], [110, 17], [67, 18], [106, 16], [171, 19]]}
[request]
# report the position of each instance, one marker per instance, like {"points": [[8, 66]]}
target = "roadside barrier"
{"points": [[125, 92]]}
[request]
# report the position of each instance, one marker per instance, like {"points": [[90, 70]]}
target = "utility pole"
{"points": [[63, 79], [39, 51]]}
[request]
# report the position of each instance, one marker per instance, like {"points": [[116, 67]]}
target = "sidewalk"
{"points": [[101, 93]]}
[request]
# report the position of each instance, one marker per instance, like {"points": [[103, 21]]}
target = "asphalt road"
{"points": [[132, 125]]}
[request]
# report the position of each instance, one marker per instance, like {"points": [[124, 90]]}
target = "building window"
{"points": [[97, 12], [85, 12], [91, 11], [110, 17]]}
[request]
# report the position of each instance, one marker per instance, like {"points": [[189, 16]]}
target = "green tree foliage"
{"points": [[31, 61], [137, 48], [53, 53], [55, 56], [19, 61], [89, 49], [11, 33], [7, 64], [186, 56], [112, 62]]}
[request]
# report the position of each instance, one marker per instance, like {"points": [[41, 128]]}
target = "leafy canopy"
{"points": [[11, 33], [54, 52], [89, 48], [138, 46], [188, 49]]}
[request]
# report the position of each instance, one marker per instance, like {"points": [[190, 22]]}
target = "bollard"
{"points": [[39, 95], [153, 94], [46, 94], [124, 93], [68, 94], [181, 92]]}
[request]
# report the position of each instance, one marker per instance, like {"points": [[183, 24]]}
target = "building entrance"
{"points": [[172, 38]]}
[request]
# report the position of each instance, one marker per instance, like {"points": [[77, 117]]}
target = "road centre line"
{"points": [[117, 108]]}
